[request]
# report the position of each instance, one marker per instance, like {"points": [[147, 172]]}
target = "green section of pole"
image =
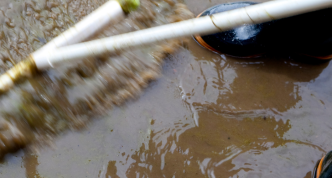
{"points": [[129, 5]]}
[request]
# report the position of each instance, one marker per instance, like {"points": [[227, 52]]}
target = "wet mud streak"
{"points": [[31, 163], [111, 170]]}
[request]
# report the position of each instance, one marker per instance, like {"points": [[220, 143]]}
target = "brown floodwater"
{"points": [[207, 115]]}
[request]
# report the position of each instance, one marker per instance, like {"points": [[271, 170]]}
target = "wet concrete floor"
{"points": [[209, 115]]}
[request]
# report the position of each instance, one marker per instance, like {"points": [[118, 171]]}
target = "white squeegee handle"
{"points": [[224, 21]]}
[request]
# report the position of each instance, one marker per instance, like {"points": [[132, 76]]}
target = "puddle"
{"points": [[208, 115]]}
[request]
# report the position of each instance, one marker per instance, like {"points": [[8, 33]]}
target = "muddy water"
{"points": [[208, 115]]}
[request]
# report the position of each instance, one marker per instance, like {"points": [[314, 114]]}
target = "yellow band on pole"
{"points": [[24, 69], [129, 5]]}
